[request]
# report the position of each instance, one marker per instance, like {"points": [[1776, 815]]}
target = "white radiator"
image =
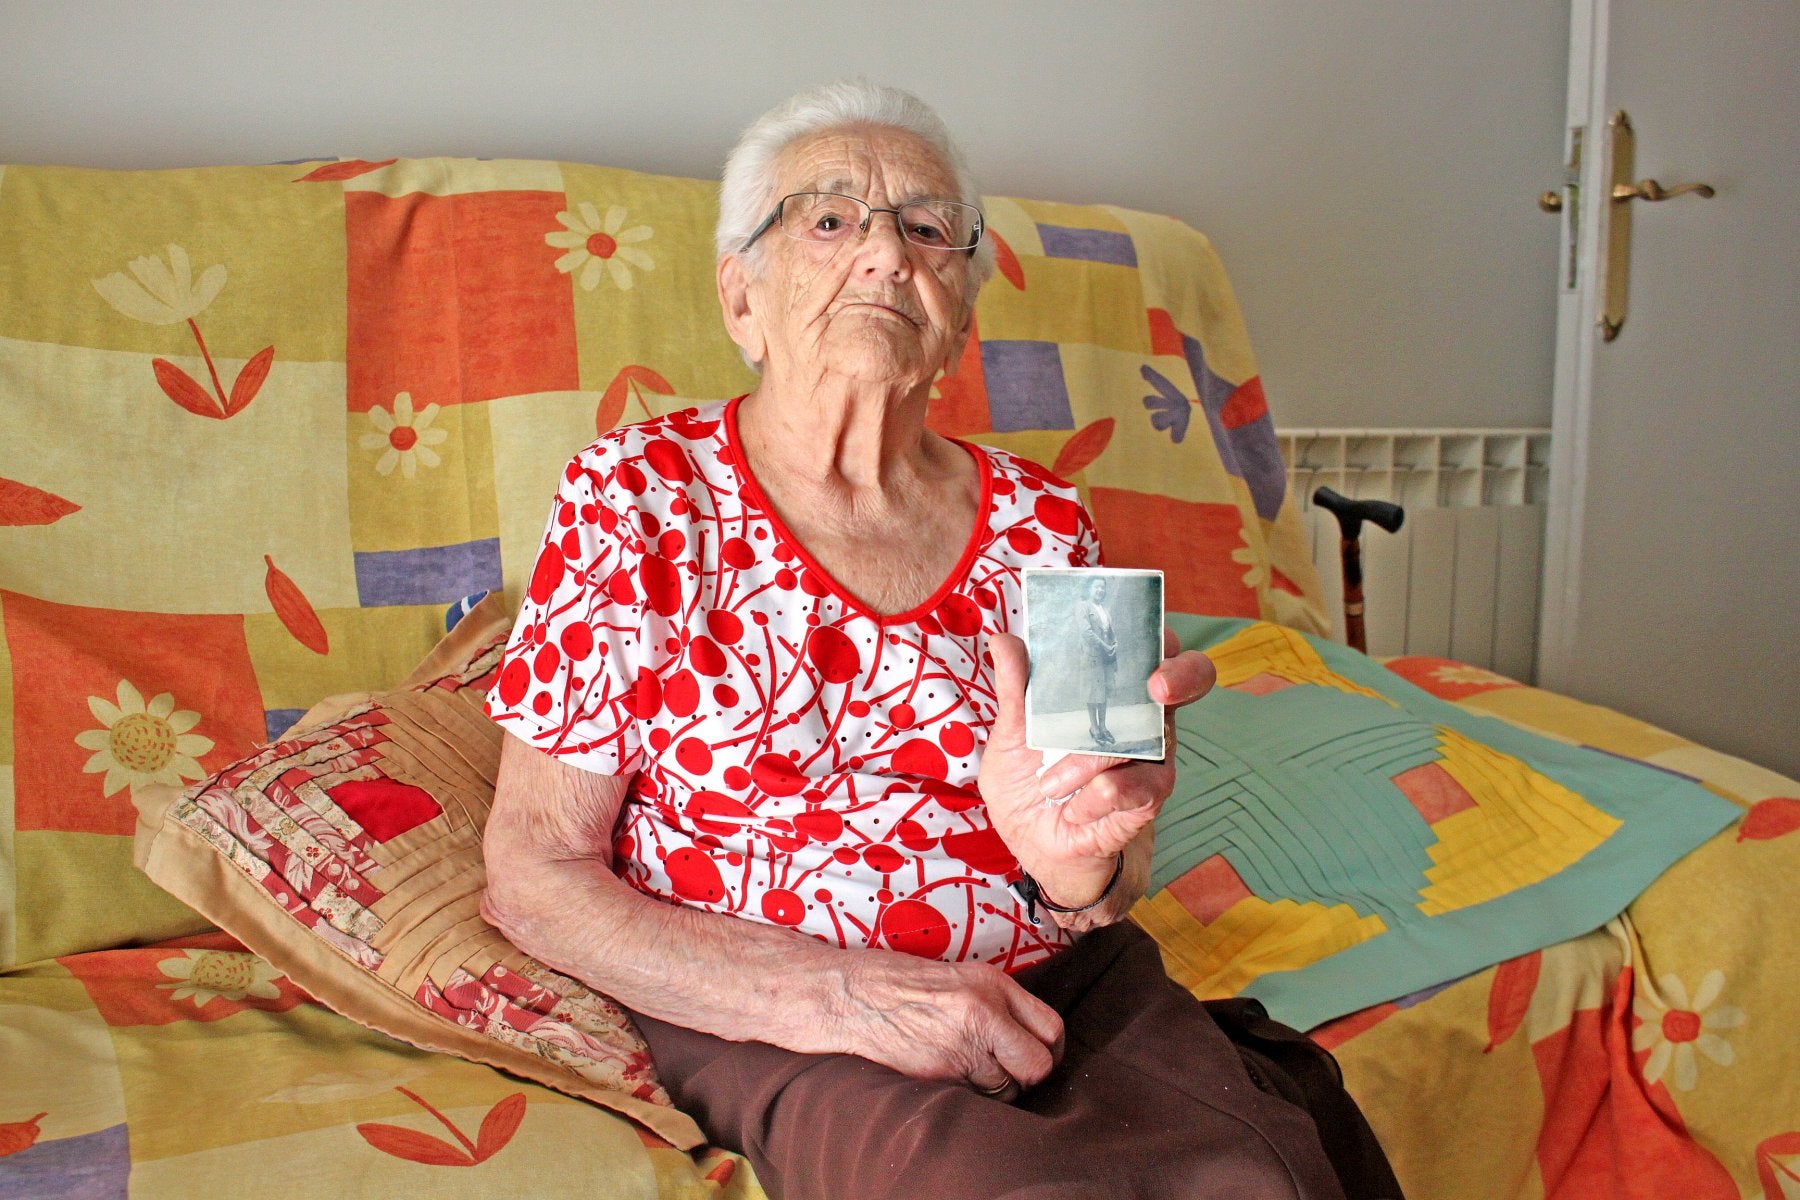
{"points": [[1462, 577]]}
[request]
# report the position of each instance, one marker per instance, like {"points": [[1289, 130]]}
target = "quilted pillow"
{"points": [[348, 854], [1339, 838]]}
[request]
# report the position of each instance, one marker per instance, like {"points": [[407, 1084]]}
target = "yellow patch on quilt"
{"points": [[9, 875], [613, 1161], [177, 510], [1008, 218], [186, 1089], [408, 492], [370, 648], [1180, 272], [1068, 300], [281, 245], [1252, 938], [1736, 780], [1522, 828], [1575, 721], [1071, 216], [85, 894], [1265, 649], [57, 1057], [638, 253], [1140, 457], [453, 176]]}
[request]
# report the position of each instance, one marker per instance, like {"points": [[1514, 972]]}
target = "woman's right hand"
{"points": [[938, 1020]]}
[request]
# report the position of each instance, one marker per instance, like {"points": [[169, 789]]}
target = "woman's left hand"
{"points": [[1071, 847]]}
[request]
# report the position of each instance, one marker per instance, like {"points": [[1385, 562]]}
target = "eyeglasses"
{"points": [[827, 218]]}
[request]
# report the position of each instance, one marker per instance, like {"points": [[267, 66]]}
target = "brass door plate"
{"points": [[1615, 287]]}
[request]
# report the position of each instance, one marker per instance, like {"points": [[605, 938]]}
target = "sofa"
{"points": [[270, 434]]}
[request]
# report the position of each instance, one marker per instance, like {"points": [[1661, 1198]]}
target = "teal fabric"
{"points": [[1294, 789]]}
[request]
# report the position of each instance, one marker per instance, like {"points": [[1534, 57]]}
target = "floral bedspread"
{"points": [[259, 426], [1652, 1057]]}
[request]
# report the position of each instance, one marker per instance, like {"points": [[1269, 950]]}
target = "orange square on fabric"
{"points": [[117, 700], [1448, 679], [200, 978], [1200, 547], [456, 299]]}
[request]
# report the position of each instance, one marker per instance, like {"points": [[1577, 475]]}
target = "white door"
{"points": [[1672, 578]]}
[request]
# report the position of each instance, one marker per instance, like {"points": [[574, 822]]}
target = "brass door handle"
{"points": [[1649, 189], [1615, 283]]}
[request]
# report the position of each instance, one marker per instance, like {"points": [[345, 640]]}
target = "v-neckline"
{"points": [[752, 493]]}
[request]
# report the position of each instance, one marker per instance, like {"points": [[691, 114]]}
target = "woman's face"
{"points": [[877, 310]]}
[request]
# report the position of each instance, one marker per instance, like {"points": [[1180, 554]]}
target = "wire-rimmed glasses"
{"points": [[828, 218]]}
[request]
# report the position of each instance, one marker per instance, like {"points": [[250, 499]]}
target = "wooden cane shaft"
{"points": [[1350, 551]]}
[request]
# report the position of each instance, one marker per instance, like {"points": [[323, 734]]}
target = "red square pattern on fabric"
{"points": [[385, 808], [456, 299], [1446, 678], [152, 692], [1192, 542]]}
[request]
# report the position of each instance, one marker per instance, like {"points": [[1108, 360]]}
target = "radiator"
{"points": [[1463, 576]]}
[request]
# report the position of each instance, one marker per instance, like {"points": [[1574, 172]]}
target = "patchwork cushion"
{"points": [[348, 854], [1340, 838]]}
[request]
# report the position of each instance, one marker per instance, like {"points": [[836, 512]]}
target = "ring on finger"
{"points": [[994, 1091]]}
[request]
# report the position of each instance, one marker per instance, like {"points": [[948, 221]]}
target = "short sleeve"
{"points": [[568, 678], [1087, 551]]}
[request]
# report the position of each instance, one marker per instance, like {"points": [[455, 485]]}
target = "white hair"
{"points": [[747, 185]]}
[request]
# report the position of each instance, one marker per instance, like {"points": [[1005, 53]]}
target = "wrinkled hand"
{"points": [[939, 1020], [1070, 847]]}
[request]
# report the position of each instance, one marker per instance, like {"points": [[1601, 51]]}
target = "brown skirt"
{"points": [[1157, 1095]]}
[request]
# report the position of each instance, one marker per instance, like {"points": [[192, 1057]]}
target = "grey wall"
{"points": [[1366, 168]]}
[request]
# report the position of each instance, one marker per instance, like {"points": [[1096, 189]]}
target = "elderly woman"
{"points": [[766, 781]]}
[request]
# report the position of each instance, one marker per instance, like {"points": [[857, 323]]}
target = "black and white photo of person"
{"points": [[1099, 658], [1094, 636]]}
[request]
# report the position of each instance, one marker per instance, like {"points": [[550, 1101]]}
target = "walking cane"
{"points": [[1350, 515]]}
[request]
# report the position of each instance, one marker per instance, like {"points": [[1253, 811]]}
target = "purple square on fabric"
{"points": [[278, 721], [428, 575], [93, 1166], [1025, 386], [1095, 245]]}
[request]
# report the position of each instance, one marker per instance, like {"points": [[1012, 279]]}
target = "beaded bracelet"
{"points": [[1032, 892]]}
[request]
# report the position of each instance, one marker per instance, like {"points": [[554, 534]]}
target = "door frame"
{"points": [[1577, 340]]}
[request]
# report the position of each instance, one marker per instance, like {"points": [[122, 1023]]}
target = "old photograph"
{"points": [[1095, 638]]}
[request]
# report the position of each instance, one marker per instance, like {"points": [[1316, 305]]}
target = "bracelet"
{"points": [[1032, 892]]}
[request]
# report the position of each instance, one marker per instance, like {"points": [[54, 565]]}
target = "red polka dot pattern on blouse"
{"points": [[795, 759]]}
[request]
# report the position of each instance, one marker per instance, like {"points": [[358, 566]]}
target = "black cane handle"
{"points": [[1352, 513]]}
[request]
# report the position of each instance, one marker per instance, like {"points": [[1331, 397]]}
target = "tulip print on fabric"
{"points": [[168, 294], [799, 760]]}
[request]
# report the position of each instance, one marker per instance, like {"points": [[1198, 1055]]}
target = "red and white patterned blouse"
{"points": [[796, 758]]}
